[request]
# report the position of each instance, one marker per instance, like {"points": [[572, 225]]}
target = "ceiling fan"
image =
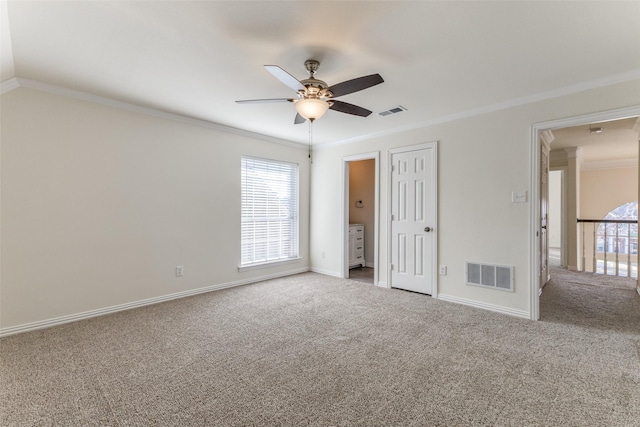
{"points": [[314, 97]]}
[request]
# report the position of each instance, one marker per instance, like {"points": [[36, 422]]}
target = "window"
{"points": [[269, 231], [621, 238], [618, 241]]}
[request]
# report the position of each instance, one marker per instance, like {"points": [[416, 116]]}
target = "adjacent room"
{"points": [[319, 213]]}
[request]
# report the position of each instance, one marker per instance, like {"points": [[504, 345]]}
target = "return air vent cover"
{"points": [[393, 110], [490, 276]]}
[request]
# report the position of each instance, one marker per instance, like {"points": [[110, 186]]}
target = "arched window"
{"points": [[619, 238], [626, 211]]}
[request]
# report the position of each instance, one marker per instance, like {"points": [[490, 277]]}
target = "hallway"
{"points": [[591, 300]]}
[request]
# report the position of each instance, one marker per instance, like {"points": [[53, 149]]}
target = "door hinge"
{"points": [[391, 217], [391, 267], [393, 168]]}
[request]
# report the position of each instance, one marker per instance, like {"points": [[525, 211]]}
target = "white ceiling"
{"points": [[439, 59], [617, 141]]}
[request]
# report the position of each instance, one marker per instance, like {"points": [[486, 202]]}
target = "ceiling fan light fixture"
{"points": [[311, 108]]}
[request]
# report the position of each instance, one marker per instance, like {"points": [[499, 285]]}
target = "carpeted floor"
{"points": [[316, 350]]}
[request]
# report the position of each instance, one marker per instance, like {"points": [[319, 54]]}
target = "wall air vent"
{"points": [[490, 276], [394, 110]]}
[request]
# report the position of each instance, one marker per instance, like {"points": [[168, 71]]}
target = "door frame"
{"points": [[542, 281], [344, 223], [434, 182], [534, 223]]}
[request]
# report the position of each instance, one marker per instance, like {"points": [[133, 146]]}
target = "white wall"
{"points": [[99, 205], [603, 190], [555, 209], [482, 159], [362, 176]]}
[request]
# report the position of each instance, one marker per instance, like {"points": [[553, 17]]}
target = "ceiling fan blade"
{"points": [[262, 101], [355, 85], [285, 77], [345, 107], [299, 119]]}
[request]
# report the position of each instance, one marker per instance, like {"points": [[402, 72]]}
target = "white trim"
{"points": [[536, 130], [375, 155], [16, 82], [609, 164], [542, 96], [382, 285], [88, 97], [547, 138], [268, 264], [485, 306], [9, 85], [28, 327], [326, 272], [434, 252], [605, 116]]}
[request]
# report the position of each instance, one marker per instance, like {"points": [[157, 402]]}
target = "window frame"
{"points": [[295, 220]]}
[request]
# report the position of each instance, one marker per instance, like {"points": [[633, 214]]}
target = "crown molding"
{"points": [[573, 152], [609, 164], [516, 102], [547, 138], [17, 82], [636, 126]]}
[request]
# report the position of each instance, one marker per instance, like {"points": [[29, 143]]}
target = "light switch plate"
{"points": [[519, 197]]}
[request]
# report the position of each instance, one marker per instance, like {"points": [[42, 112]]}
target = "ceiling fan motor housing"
{"points": [[315, 88]]}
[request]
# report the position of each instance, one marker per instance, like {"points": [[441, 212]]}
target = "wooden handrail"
{"points": [[611, 221]]}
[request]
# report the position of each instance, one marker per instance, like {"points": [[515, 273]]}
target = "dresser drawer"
{"points": [[356, 245]]}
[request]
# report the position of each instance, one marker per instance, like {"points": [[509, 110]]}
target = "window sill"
{"points": [[267, 264]]}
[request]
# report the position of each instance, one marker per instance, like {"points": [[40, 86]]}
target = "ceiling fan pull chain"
{"points": [[310, 139]]}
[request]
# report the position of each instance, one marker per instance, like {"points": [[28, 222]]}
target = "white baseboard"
{"points": [[326, 272], [382, 284], [485, 306], [369, 264], [28, 327]]}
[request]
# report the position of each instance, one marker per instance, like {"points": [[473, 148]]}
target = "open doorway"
{"points": [[580, 147], [360, 217]]}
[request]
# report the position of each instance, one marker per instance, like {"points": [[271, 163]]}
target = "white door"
{"points": [[413, 218]]}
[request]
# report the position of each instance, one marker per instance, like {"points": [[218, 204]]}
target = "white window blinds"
{"points": [[269, 211]]}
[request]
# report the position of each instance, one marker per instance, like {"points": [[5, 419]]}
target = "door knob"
{"points": [[427, 229]]}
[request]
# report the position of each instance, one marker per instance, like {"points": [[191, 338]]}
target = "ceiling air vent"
{"points": [[394, 110]]}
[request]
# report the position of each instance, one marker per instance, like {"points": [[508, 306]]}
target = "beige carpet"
{"points": [[315, 350]]}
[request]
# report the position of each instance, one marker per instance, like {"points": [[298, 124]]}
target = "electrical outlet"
{"points": [[443, 270], [179, 271]]}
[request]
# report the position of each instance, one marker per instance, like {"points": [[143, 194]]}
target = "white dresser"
{"points": [[356, 245]]}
